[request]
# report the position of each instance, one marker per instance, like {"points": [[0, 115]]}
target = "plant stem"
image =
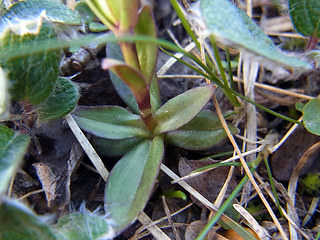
{"points": [[144, 105], [188, 29], [129, 50], [228, 202], [229, 95]]}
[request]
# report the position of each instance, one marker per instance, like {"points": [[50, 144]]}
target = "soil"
{"points": [[54, 146]]}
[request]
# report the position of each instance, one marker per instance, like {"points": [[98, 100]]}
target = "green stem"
{"points": [[20, 50], [217, 81], [129, 50], [228, 202], [188, 29], [231, 82], [144, 105], [273, 187], [229, 95]]}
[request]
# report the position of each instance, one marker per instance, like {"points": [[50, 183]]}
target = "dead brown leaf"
{"points": [[208, 184]]}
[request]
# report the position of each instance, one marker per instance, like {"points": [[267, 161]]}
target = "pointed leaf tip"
{"points": [[182, 108]]}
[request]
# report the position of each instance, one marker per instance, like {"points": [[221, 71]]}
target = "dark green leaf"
{"points": [[134, 79], [97, 27], [85, 12], [147, 52], [182, 108], [112, 148], [61, 101], [32, 77], [131, 182], [236, 28], [4, 96], [17, 222], [12, 150], [113, 51], [53, 11], [155, 94], [311, 116], [83, 226], [202, 132], [305, 16], [110, 122]]}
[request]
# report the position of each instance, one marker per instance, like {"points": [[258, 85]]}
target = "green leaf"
{"points": [[131, 182], [32, 77], [113, 51], [113, 148], [20, 223], [102, 10], [305, 16], [202, 132], [61, 101], [182, 108], [147, 52], [97, 27], [231, 24], [128, 74], [311, 184], [4, 96], [155, 94], [32, 9], [110, 122], [85, 12], [175, 194], [83, 226], [12, 150], [118, 16], [128, 13], [299, 106], [311, 116]]}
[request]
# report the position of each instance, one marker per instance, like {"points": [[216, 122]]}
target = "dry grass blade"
{"points": [[30, 193], [153, 229], [267, 189], [293, 182], [87, 147], [224, 189], [168, 213], [285, 137], [187, 187], [313, 206], [277, 90], [191, 175], [165, 67], [155, 222], [250, 73], [247, 170], [260, 231]]}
